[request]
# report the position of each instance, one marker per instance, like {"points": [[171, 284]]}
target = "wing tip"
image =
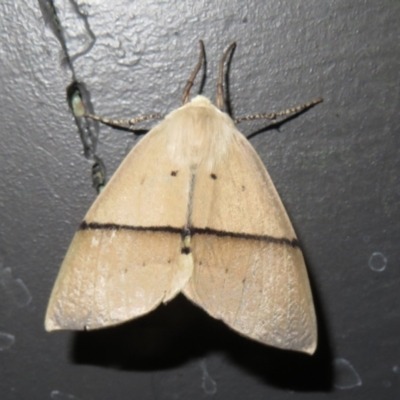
{"points": [[50, 326], [310, 350], [307, 348]]}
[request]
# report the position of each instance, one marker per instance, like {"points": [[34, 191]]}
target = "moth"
{"points": [[190, 210]]}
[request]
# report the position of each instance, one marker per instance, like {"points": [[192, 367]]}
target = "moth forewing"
{"points": [[248, 266]]}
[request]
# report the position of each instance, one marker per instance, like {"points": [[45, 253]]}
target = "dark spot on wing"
{"points": [[186, 250], [213, 176], [174, 173], [243, 188]]}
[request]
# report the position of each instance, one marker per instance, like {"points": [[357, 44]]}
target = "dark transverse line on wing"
{"points": [[193, 231]]}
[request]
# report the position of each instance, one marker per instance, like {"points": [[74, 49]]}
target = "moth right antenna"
{"points": [[220, 84]]}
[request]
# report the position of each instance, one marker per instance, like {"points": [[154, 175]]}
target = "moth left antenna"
{"points": [[190, 82], [220, 84]]}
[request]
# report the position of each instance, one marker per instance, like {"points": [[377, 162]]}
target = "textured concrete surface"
{"points": [[336, 168]]}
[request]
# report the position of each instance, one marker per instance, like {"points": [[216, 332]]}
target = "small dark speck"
{"points": [[200, 263], [126, 270], [226, 270], [244, 20], [244, 281], [169, 261], [144, 264], [213, 176], [174, 173], [243, 188]]}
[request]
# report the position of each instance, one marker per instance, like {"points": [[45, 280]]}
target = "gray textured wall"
{"points": [[336, 168]]}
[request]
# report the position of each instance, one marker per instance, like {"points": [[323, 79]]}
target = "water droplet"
{"points": [[6, 340], [396, 369], [377, 262], [207, 383], [15, 288], [56, 395], [346, 377]]}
